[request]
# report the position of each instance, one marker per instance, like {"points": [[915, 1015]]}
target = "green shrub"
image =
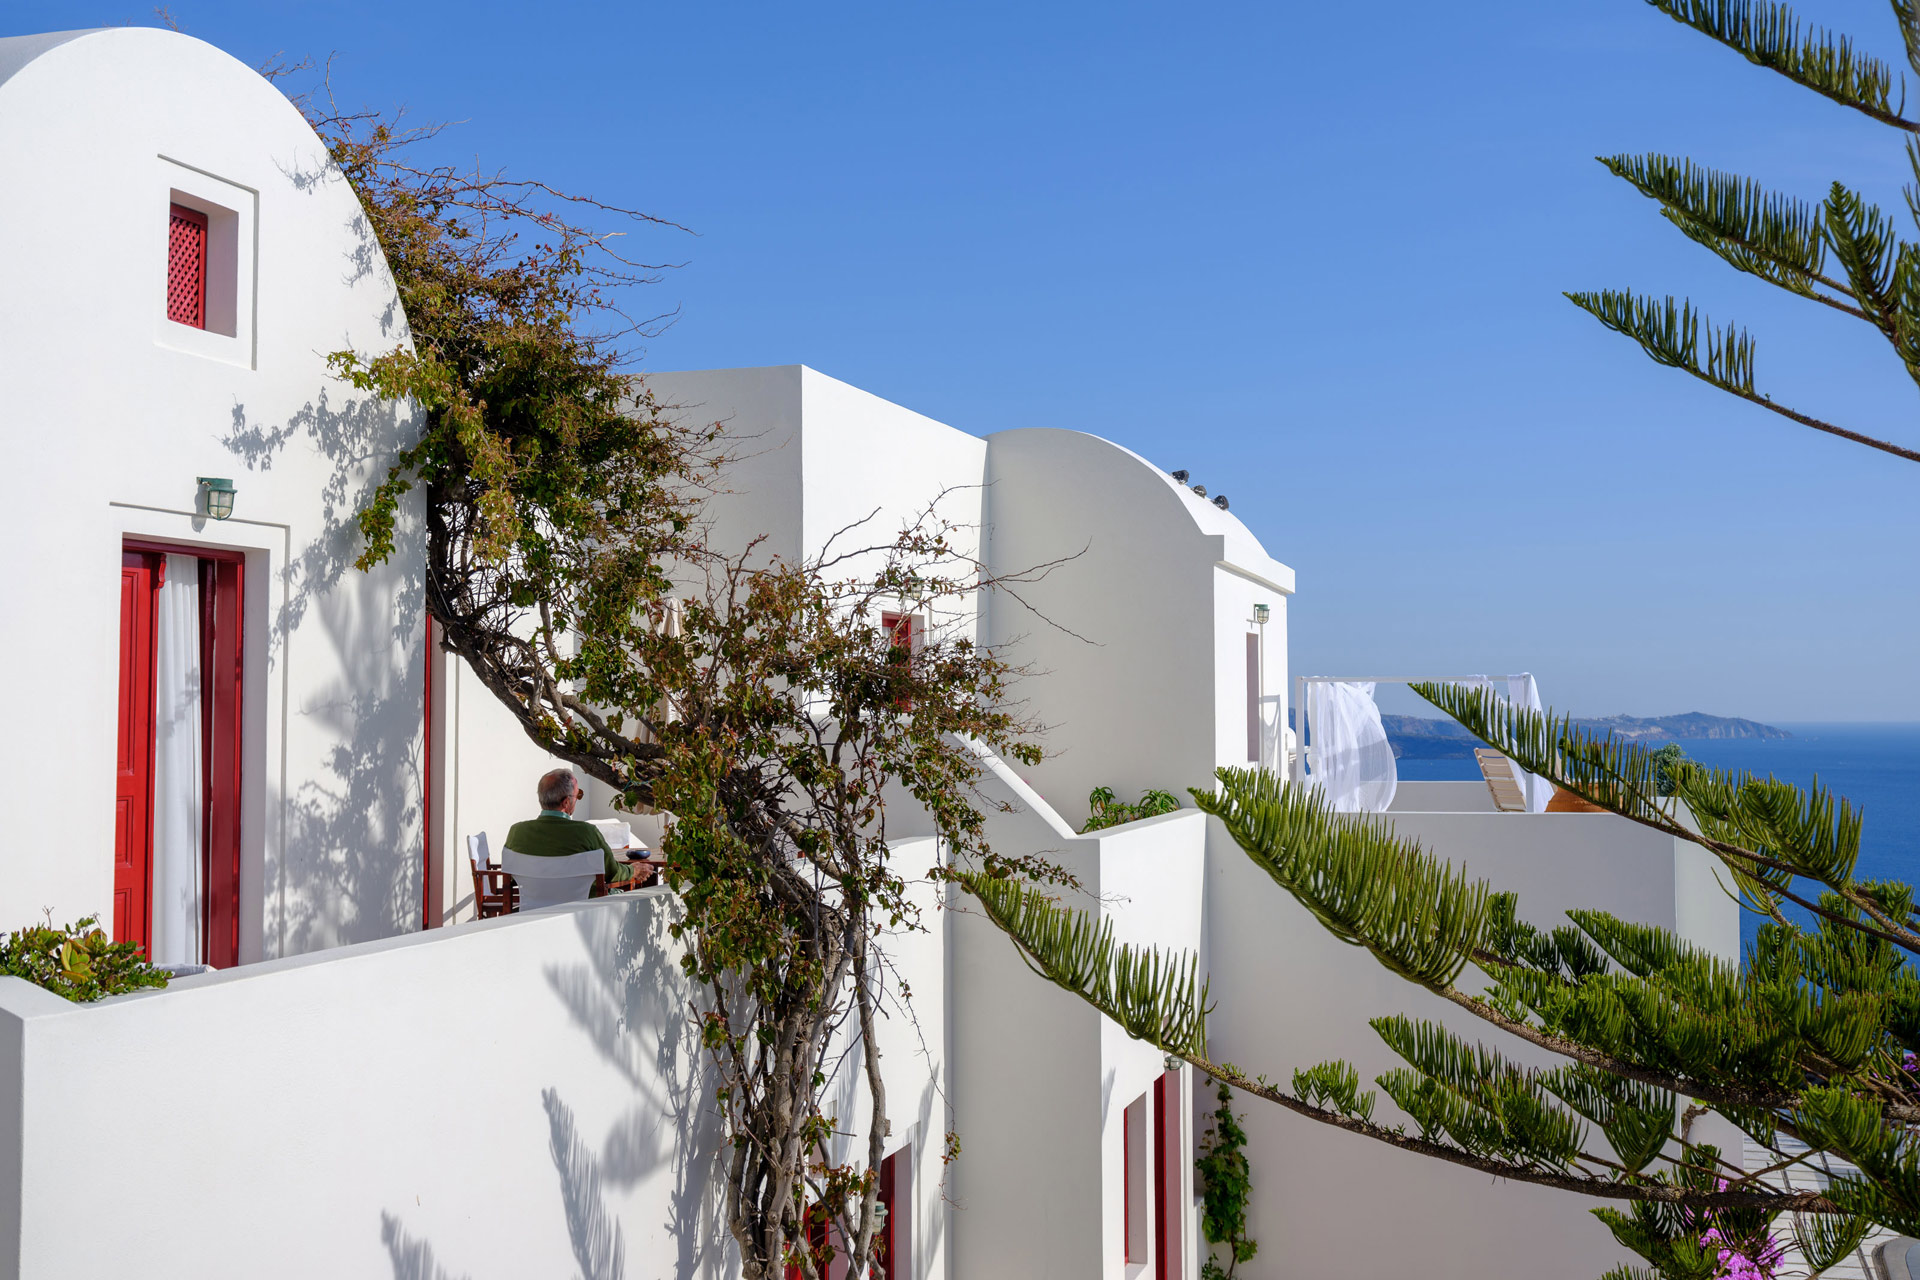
{"points": [[1109, 811], [78, 962]]}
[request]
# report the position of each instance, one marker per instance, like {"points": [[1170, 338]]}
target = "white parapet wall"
{"points": [[517, 1097], [1041, 1082], [1326, 1203]]}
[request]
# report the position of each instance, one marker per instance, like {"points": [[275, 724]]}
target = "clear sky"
{"points": [[1312, 253]]}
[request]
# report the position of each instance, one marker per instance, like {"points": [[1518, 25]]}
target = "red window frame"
{"points": [[1162, 1168], [1253, 698], [1133, 1140], [883, 1238], [186, 266], [223, 648]]}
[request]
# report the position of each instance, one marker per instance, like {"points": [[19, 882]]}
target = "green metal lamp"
{"points": [[219, 493], [1261, 613]]}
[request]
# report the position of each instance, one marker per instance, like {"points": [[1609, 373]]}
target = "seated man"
{"points": [[556, 832]]}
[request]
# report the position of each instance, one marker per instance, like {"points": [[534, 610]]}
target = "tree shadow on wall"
{"points": [[636, 1012], [350, 863], [631, 1003], [598, 1243]]}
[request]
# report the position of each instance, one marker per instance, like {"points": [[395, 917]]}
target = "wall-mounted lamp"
{"points": [[1261, 613], [219, 493]]}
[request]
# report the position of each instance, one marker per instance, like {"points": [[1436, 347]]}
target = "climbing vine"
{"points": [[1225, 1183]]}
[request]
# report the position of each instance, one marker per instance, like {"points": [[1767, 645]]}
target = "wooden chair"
{"points": [[493, 889], [1502, 782]]}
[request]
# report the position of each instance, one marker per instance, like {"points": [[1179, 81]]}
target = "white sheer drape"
{"points": [[177, 793], [1524, 693], [1350, 757]]}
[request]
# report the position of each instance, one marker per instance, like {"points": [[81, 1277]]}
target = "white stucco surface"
{"points": [[1040, 1081], [343, 1116], [119, 410], [1291, 996], [510, 1098]]}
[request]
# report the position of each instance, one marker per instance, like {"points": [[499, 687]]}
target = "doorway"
{"points": [[176, 875]]}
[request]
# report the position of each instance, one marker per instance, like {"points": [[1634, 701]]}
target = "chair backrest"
{"points": [[547, 882], [1501, 782], [477, 851]]}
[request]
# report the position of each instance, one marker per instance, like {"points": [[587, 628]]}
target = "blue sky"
{"points": [[1313, 254]]}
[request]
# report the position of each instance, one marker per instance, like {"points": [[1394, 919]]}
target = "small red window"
{"points": [[187, 266], [903, 629]]}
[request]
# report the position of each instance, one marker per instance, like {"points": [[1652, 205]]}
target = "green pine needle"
{"points": [[1669, 332], [1762, 232], [1153, 997], [1769, 35]]}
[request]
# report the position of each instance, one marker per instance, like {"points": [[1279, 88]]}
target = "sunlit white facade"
{"points": [[368, 1082]]}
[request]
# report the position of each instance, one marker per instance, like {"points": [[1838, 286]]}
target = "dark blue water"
{"points": [[1876, 766]]}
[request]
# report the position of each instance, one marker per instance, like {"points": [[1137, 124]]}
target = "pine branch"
{"points": [[1908, 17], [1619, 777], [1065, 947], [1763, 233], [1884, 269], [1670, 334], [1331, 862], [1768, 35], [1159, 999]]}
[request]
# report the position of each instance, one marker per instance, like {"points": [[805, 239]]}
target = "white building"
{"points": [[371, 1084]]}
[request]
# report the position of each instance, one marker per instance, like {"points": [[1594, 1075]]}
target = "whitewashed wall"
{"points": [[815, 464], [111, 412], [1137, 639], [516, 1097], [346, 1114], [1041, 1081], [1317, 1191]]}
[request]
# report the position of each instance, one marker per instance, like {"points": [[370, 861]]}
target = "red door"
{"points": [[1165, 1091], [222, 655], [133, 776]]}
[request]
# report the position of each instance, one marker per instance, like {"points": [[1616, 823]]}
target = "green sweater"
{"points": [[555, 835]]}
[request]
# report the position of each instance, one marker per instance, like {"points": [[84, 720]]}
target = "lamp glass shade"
{"points": [[1261, 613], [219, 496]]}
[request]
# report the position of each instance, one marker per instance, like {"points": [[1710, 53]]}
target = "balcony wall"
{"points": [[515, 1097]]}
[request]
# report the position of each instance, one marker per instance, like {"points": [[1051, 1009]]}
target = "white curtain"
{"points": [[177, 803], [1524, 693], [1351, 759]]}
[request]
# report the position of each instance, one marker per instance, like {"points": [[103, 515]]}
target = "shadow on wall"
{"points": [[633, 1009], [928, 1122], [351, 863], [352, 855], [639, 1016]]}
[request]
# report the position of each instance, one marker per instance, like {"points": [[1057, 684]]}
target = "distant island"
{"points": [[1418, 738]]}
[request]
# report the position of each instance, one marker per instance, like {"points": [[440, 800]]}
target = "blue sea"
{"points": [[1876, 766]]}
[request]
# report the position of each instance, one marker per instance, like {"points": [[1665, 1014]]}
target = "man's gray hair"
{"points": [[557, 788]]}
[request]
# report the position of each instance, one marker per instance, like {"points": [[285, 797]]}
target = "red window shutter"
{"points": [[187, 266]]}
